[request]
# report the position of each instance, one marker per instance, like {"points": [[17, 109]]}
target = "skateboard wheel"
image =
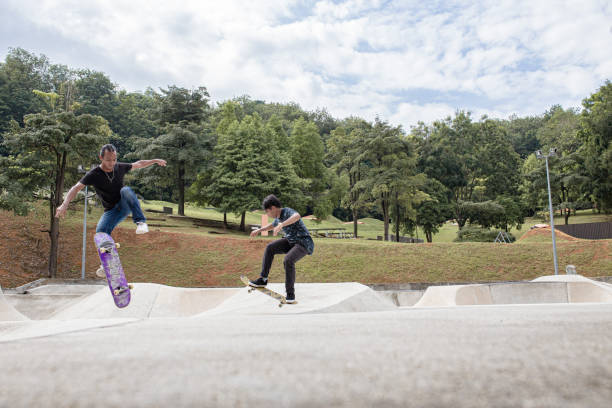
{"points": [[117, 245], [103, 250], [131, 286], [116, 292]]}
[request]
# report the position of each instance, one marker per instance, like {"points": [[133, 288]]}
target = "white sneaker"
{"points": [[142, 228], [100, 272]]}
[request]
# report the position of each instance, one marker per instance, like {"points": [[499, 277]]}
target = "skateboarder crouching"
{"points": [[296, 243], [118, 201]]}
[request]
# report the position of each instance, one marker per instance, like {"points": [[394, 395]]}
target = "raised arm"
{"points": [[61, 210], [141, 164]]}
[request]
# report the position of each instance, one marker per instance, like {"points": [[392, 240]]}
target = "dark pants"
{"points": [[294, 252]]}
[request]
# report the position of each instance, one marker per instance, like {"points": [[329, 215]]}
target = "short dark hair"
{"points": [[107, 148], [271, 201]]}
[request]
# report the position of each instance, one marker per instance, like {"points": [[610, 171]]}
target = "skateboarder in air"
{"points": [[296, 244], [118, 201]]}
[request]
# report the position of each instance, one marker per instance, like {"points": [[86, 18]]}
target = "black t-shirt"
{"points": [[108, 185]]}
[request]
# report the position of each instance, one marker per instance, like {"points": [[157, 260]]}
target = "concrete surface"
{"points": [[474, 356], [402, 297], [7, 311], [42, 302], [546, 289], [342, 345]]}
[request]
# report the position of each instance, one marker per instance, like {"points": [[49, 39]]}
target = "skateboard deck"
{"points": [[118, 285], [281, 299]]}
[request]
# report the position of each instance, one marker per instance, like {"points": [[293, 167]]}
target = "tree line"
{"points": [[231, 154]]}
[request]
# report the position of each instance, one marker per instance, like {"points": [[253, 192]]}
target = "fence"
{"points": [[591, 230]]}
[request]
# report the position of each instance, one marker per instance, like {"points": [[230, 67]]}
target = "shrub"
{"points": [[472, 233]]}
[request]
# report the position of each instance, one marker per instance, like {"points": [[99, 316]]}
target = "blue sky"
{"points": [[401, 60]]}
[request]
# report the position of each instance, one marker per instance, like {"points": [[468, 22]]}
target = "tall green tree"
{"points": [[186, 140], [248, 167], [307, 154], [392, 164], [560, 131], [500, 166], [42, 154], [596, 136], [453, 155], [345, 151]]}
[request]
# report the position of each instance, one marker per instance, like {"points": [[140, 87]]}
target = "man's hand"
{"points": [[61, 211], [278, 228], [160, 162], [255, 232]]}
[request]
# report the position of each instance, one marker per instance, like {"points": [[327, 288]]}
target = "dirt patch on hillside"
{"points": [[165, 257], [546, 232]]}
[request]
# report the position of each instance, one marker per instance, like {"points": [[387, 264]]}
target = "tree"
{"points": [[514, 214], [433, 211], [307, 153], [500, 165], [596, 135], [247, 168], [41, 153], [566, 170], [20, 74], [485, 213], [186, 141], [452, 153], [280, 137], [391, 160], [522, 133], [345, 151]]}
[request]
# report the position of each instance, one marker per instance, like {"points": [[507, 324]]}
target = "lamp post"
{"points": [[81, 170], [539, 155]]}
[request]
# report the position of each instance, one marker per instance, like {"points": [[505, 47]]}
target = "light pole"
{"points": [[81, 170], [539, 155]]}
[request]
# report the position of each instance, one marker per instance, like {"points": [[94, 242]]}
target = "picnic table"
{"points": [[331, 233]]}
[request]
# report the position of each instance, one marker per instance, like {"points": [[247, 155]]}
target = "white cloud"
{"points": [[355, 58]]}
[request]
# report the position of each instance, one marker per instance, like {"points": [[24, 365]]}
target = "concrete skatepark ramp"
{"points": [[52, 309], [150, 300], [83, 307], [312, 298], [8, 312], [546, 289]]}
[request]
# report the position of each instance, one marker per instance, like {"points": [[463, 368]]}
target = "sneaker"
{"points": [[259, 283], [291, 298], [142, 228], [100, 272]]}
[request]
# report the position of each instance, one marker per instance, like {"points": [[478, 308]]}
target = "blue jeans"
{"points": [[128, 204]]}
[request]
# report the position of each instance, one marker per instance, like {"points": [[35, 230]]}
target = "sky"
{"points": [[403, 61]]}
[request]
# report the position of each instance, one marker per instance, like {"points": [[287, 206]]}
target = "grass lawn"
{"points": [[186, 256], [370, 227]]}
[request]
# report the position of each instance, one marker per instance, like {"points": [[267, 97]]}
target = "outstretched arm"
{"points": [[61, 210], [262, 229], [291, 220], [141, 164]]}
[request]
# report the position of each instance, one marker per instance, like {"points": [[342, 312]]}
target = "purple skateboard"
{"points": [[119, 287]]}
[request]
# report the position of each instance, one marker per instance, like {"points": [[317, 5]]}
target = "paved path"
{"points": [[471, 356]]}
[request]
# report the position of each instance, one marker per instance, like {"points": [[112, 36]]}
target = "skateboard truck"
{"points": [[122, 289], [108, 248]]}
